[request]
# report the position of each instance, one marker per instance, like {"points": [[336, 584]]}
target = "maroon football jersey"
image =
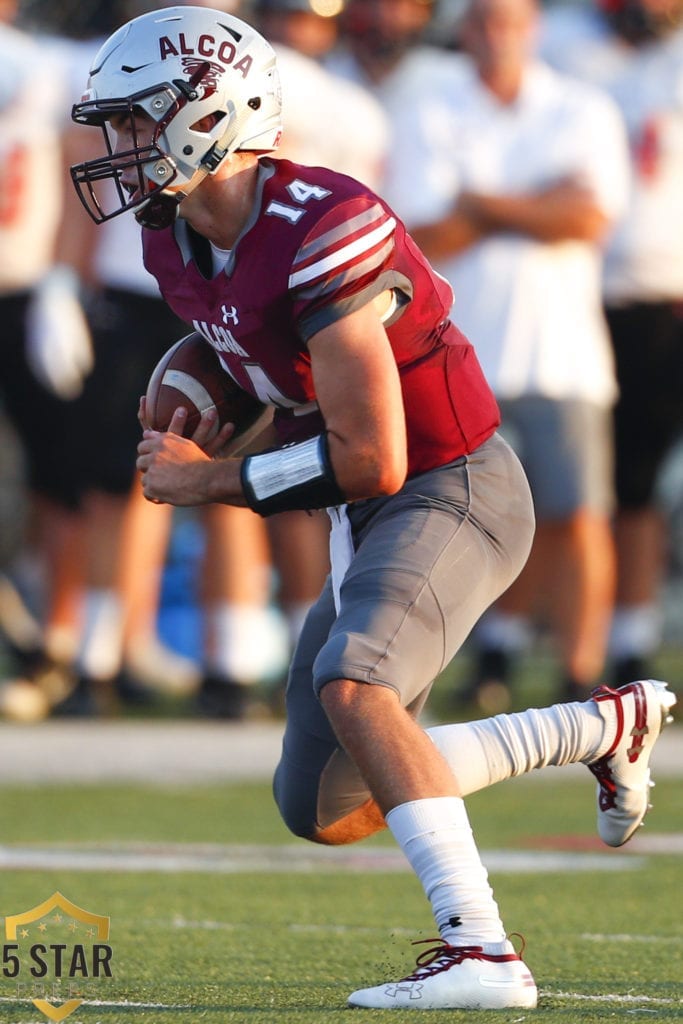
{"points": [[318, 246]]}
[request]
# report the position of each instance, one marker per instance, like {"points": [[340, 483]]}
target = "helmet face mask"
{"points": [[209, 83], [93, 178]]}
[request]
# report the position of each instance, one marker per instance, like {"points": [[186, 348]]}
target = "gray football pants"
{"points": [[428, 562]]}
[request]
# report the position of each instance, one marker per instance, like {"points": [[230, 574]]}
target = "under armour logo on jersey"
{"points": [[230, 315]]}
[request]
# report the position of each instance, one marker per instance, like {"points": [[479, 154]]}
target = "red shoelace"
{"points": [[442, 956], [608, 788]]}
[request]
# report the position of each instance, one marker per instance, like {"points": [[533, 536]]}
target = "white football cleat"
{"points": [[640, 711], [456, 978]]}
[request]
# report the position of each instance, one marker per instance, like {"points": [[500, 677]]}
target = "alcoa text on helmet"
{"points": [[180, 66]]}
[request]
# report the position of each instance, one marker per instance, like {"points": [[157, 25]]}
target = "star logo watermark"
{"points": [[51, 950]]}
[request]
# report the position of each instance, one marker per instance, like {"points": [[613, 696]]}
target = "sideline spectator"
{"points": [[118, 648], [382, 46], [45, 352], [119, 653], [332, 122], [309, 27], [634, 49], [510, 179]]}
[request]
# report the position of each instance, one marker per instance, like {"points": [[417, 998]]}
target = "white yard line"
{"points": [[187, 752], [675, 940], [289, 859], [110, 1002], [630, 1000]]}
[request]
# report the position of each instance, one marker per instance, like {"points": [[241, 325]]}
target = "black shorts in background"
{"points": [[71, 447], [648, 417], [45, 425], [130, 334]]}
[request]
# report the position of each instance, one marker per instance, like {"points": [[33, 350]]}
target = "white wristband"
{"points": [[298, 476]]}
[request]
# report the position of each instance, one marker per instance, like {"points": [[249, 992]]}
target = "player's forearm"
{"points": [[553, 215], [220, 482], [447, 237]]}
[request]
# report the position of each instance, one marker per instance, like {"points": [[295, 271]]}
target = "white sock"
{"points": [[247, 643], [99, 653], [503, 631], [494, 749], [636, 631], [436, 837]]}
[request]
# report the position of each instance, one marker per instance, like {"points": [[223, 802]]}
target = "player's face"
{"points": [[130, 133], [133, 138]]}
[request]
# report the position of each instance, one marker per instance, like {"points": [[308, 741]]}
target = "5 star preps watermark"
{"points": [[53, 953]]}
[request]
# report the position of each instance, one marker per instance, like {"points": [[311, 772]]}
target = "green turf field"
{"points": [[221, 917]]}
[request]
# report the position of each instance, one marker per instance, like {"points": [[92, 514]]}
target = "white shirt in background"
{"points": [[330, 121], [533, 310], [644, 261], [31, 183]]}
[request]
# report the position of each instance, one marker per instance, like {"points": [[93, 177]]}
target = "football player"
{"points": [[317, 301]]}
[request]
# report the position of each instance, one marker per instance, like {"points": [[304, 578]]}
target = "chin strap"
{"points": [[160, 210]]}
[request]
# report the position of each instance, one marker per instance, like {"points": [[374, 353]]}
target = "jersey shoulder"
{"points": [[312, 189], [346, 230]]}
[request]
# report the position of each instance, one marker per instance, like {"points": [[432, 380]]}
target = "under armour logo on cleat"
{"points": [[635, 750], [414, 989]]}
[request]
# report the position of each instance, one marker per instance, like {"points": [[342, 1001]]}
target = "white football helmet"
{"points": [[178, 65]]}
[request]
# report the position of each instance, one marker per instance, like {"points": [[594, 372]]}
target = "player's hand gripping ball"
{"points": [[190, 375]]}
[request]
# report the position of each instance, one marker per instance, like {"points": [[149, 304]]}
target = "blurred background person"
{"points": [[327, 119], [310, 27], [331, 122], [78, 648], [244, 566], [510, 177], [118, 658], [45, 355], [634, 49], [383, 46]]}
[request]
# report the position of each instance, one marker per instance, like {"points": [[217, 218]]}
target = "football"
{"points": [[190, 375]]}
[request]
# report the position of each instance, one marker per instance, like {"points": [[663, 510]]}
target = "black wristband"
{"points": [[298, 476]]}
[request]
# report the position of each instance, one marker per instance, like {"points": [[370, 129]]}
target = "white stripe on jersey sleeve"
{"points": [[322, 267]]}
